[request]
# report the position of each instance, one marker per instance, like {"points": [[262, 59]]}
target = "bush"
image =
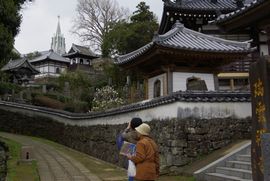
{"points": [[6, 88], [48, 102], [106, 98], [77, 106]]}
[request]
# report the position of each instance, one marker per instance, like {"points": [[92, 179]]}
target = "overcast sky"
{"points": [[40, 21]]}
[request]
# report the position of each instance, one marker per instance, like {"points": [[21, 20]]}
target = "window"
{"points": [[157, 88], [57, 70], [195, 83]]}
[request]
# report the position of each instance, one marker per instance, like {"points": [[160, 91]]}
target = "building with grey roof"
{"points": [[20, 71], [254, 18], [171, 61], [50, 64]]}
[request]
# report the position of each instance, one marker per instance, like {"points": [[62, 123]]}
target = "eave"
{"points": [[257, 16]]}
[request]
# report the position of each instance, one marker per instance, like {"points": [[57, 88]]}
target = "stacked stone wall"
{"points": [[180, 141]]}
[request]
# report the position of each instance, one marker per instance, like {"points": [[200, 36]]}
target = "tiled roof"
{"points": [[14, 64], [192, 96], [229, 5], [247, 7], [182, 38], [81, 50], [51, 55]]}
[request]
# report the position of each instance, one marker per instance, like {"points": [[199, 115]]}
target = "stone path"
{"points": [[52, 164]]}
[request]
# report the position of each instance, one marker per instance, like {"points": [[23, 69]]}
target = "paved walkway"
{"points": [[52, 164]]}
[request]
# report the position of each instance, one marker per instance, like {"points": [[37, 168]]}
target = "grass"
{"points": [[18, 171], [104, 170]]}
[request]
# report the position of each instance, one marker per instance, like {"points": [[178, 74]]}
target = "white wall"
{"points": [[151, 81], [180, 80], [174, 110]]}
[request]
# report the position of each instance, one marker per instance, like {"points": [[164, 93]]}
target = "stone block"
{"points": [[180, 160], [179, 143]]}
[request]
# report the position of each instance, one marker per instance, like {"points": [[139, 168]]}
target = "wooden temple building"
{"points": [[81, 58], [49, 64], [21, 71], [80, 55], [253, 18], [174, 60], [196, 15]]}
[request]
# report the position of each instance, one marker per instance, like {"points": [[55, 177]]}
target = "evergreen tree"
{"points": [[10, 20], [125, 37]]}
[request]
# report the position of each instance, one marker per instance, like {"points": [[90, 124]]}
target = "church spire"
{"points": [[58, 44], [58, 30]]}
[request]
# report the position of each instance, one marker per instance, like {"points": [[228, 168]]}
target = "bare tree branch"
{"points": [[93, 19]]}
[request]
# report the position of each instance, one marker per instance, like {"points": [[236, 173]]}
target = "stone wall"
{"points": [[3, 161], [180, 141]]}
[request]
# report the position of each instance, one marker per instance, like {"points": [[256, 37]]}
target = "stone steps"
{"points": [[239, 164], [235, 166], [244, 158], [222, 177], [241, 173]]}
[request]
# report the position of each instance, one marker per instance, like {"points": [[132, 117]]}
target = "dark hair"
{"points": [[135, 122]]}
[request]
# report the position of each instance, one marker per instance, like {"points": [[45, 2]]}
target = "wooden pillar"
{"points": [[255, 43], [216, 84], [232, 84], [260, 94], [267, 29], [169, 81], [146, 91]]}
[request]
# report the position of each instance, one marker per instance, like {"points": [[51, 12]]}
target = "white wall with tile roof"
{"points": [[179, 109]]}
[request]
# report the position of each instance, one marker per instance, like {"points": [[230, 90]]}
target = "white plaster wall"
{"points": [[151, 82], [174, 110], [180, 79], [264, 50]]}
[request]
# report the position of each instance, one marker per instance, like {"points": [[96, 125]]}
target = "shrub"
{"points": [[6, 88], [48, 102], [77, 106], [106, 98]]}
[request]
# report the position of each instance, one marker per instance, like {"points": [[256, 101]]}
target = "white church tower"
{"points": [[58, 44]]}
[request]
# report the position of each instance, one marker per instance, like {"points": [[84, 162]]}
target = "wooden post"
{"points": [[146, 88], [232, 84], [260, 90], [267, 29], [169, 81]]}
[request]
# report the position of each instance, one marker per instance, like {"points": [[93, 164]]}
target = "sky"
{"points": [[39, 22]]}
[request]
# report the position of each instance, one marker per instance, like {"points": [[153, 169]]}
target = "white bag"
{"points": [[131, 169]]}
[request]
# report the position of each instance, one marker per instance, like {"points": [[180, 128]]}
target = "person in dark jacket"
{"points": [[129, 134], [146, 158]]}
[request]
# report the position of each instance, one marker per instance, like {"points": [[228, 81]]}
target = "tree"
{"points": [[125, 37], [10, 20], [94, 18]]}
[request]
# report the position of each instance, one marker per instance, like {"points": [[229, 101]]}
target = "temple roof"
{"points": [[247, 7], [49, 55], [76, 49], [16, 64], [181, 38], [204, 4]]}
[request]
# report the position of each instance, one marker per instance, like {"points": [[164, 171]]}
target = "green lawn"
{"points": [[18, 171]]}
